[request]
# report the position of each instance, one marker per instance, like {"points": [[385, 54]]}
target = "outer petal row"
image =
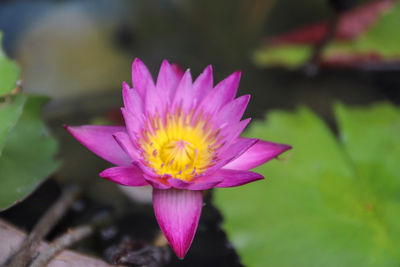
{"points": [[178, 214], [127, 175], [100, 140], [256, 155]]}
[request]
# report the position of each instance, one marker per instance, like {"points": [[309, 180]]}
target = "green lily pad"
{"points": [[9, 73], [28, 155], [326, 202], [10, 111]]}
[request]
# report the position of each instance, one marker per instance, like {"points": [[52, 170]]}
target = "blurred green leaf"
{"points": [[373, 41], [28, 155], [381, 38], [325, 203], [290, 56], [9, 73], [10, 111]]}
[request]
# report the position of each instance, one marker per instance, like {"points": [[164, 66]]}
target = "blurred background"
{"points": [[75, 49], [310, 53]]}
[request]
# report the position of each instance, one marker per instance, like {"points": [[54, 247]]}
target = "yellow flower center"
{"points": [[178, 147]]}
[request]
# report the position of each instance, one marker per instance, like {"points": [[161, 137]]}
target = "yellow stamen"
{"points": [[178, 147]]}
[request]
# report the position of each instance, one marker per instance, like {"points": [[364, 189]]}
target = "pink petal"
{"points": [[178, 213], [229, 86], [128, 175], [166, 81], [234, 150], [203, 84], [125, 143], [133, 122], [233, 111], [157, 182], [232, 131], [223, 93], [132, 100], [155, 101], [233, 178], [178, 70], [198, 183], [183, 96], [256, 155], [100, 140], [141, 77]]}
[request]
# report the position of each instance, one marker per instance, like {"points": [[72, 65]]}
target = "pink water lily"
{"points": [[181, 137]]}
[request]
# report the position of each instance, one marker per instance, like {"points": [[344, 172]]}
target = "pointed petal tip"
{"points": [[125, 85], [245, 99], [71, 129], [286, 147], [180, 254], [99, 140], [187, 76], [139, 66], [137, 61], [179, 72], [236, 75], [246, 121], [165, 62], [178, 213], [260, 153], [233, 178]]}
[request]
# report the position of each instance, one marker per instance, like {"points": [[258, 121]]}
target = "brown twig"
{"points": [[42, 228], [69, 238], [11, 237]]}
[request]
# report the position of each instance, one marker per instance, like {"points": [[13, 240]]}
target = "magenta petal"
{"points": [[155, 100], [132, 100], [125, 143], [203, 84], [233, 178], [229, 87], [223, 93], [231, 152], [141, 77], [178, 213], [231, 132], [233, 111], [256, 155], [133, 122], [100, 140], [183, 96], [177, 70], [198, 183], [157, 182], [166, 81], [128, 175]]}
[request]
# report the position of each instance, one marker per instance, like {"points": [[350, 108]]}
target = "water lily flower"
{"points": [[181, 137]]}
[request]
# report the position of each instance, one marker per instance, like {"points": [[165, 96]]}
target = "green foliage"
{"points": [[290, 56], [26, 148], [10, 111], [328, 202], [28, 155], [381, 40], [9, 73]]}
